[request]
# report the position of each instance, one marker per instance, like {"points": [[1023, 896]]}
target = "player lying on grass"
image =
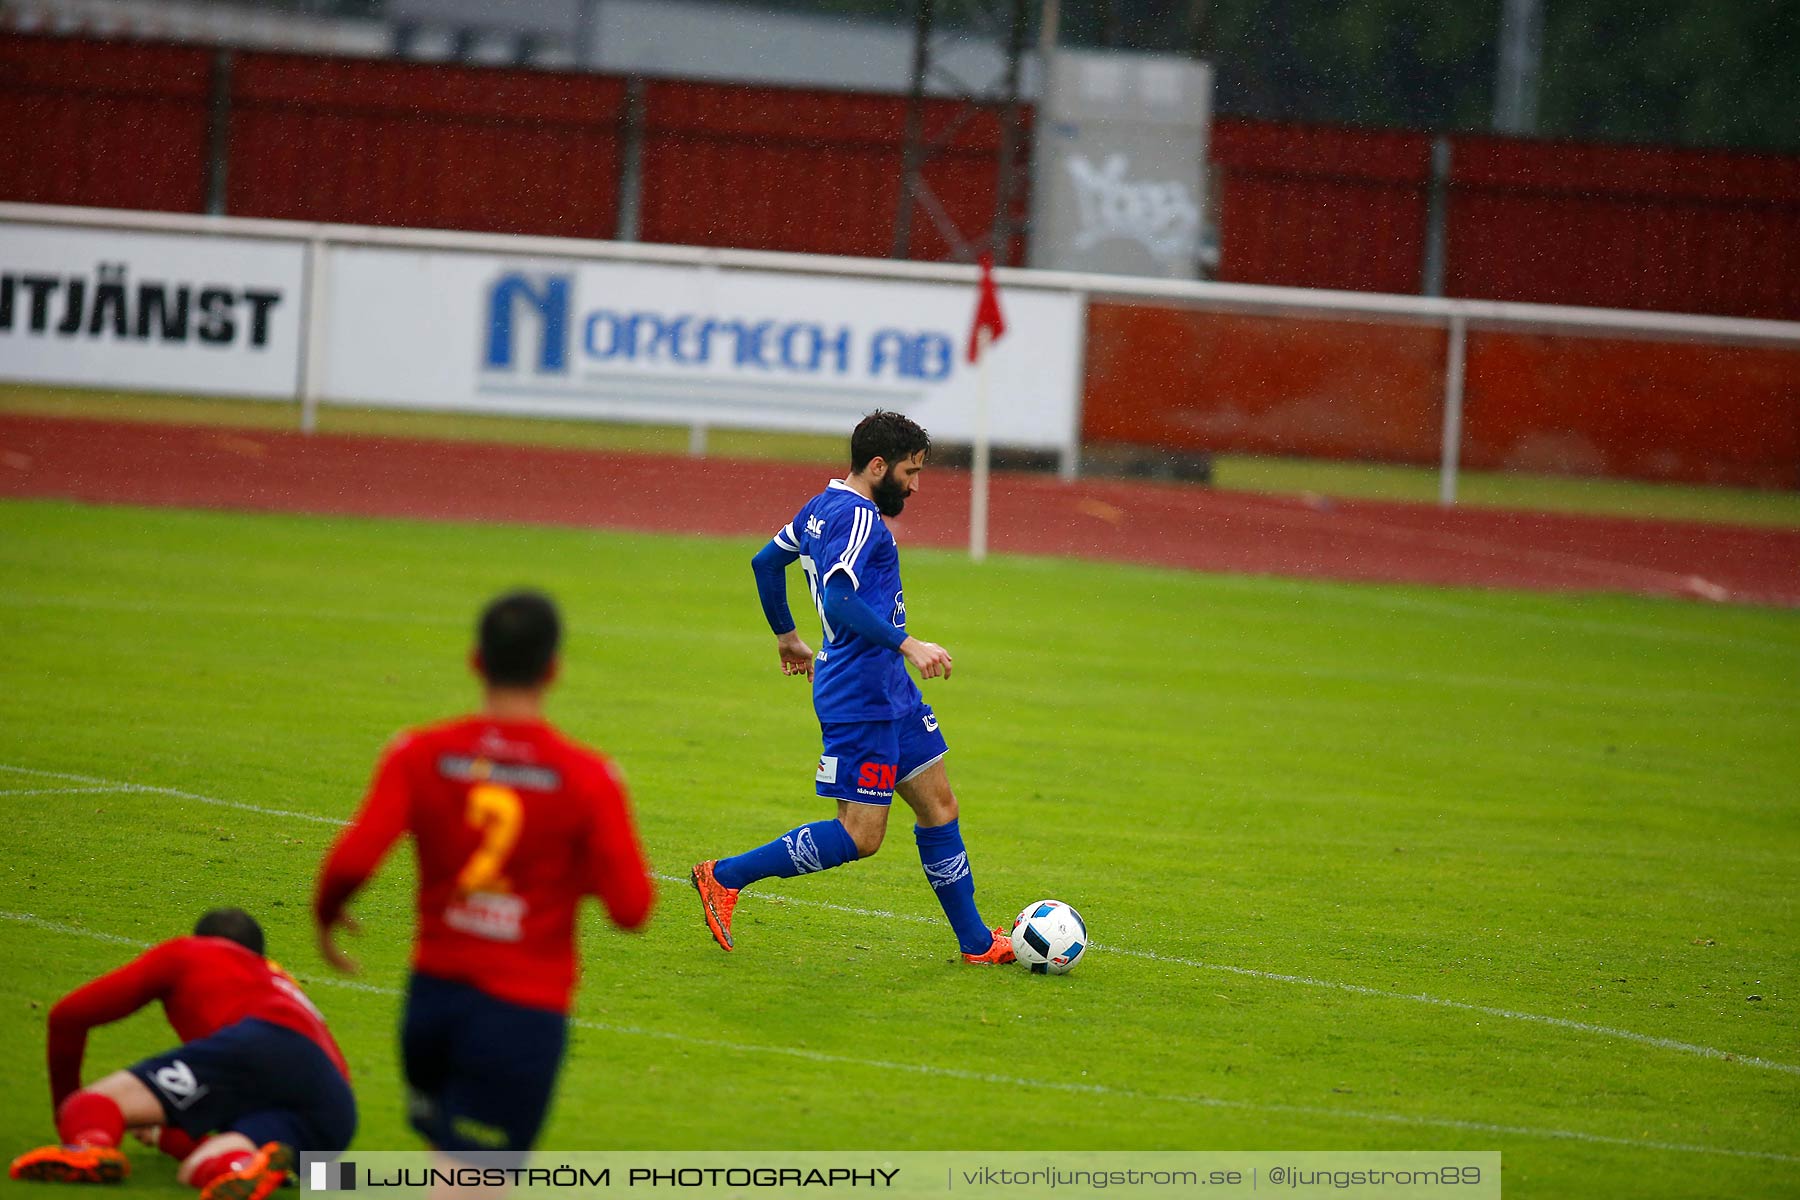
{"points": [[879, 734], [513, 823], [257, 1078]]}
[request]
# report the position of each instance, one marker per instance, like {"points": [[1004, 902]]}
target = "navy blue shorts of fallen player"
{"points": [[258, 1079], [863, 760], [479, 1071]]}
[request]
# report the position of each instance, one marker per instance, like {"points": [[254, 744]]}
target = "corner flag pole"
{"points": [[986, 329], [978, 479]]}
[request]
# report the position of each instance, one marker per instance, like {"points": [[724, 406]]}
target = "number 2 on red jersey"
{"points": [[499, 814]]}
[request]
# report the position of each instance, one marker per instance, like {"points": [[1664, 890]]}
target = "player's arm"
{"points": [[620, 874], [847, 610], [851, 537], [112, 997], [770, 567], [359, 850]]}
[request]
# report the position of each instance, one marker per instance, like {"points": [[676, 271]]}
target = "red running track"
{"points": [[1170, 525]]}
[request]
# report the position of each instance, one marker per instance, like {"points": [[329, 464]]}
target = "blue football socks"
{"points": [[947, 868], [816, 847]]}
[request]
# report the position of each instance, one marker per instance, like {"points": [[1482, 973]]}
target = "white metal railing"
{"points": [[194, 21], [1454, 316]]}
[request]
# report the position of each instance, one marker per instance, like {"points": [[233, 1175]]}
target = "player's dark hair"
{"points": [[517, 637], [886, 435], [234, 925]]}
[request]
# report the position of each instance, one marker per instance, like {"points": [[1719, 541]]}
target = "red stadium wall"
{"points": [[1625, 227], [390, 143], [1688, 231], [102, 124], [1676, 411], [1311, 206], [1189, 379], [1701, 231], [451, 147], [383, 143], [1194, 380], [808, 171]]}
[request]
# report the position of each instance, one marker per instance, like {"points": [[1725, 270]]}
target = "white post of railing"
{"points": [[1069, 462], [1453, 408], [696, 440], [978, 475], [312, 359]]}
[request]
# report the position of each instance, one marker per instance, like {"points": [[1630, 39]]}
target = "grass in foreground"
{"points": [[1237, 472], [1255, 791]]}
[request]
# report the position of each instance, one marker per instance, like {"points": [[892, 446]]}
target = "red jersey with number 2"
{"points": [[513, 824]]}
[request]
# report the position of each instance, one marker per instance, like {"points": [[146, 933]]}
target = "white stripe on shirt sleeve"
{"points": [[862, 523], [784, 537]]}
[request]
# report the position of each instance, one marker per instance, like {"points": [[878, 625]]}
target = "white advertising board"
{"points": [[680, 344], [163, 312]]}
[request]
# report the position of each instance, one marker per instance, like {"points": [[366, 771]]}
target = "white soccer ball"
{"points": [[1049, 937]]}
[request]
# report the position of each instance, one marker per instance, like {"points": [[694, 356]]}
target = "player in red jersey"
{"points": [[513, 824], [256, 1079]]}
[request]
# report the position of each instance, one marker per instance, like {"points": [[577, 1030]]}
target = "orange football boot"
{"points": [[716, 900], [72, 1164], [998, 954], [256, 1179]]}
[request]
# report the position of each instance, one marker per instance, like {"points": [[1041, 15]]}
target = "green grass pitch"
{"points": [[1367, 867]]}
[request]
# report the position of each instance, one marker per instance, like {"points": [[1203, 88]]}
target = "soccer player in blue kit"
{"points": [[880, 736]]}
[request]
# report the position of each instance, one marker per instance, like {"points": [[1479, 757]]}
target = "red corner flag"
{"points": [[987, 310]]}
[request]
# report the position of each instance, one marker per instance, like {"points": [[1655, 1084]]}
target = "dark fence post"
{"points": [[631, 162], [1437, 219], [1006, 224], [912, 152], [218, 133]]}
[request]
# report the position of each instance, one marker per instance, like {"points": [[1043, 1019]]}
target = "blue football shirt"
{"points": [[840, 531]]}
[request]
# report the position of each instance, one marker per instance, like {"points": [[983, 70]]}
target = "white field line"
{"points": [[1605, 568], [1593, 564], [1383, 596], [76, 930], [1643, 1039], [1504, 683], [1257, 507], [1565, 690], [1055, 1085], [1379, 596], [1387, 599], [1209, 666], [113, 785], [71, 791], [326, 615], [1585, 1027], [207, 608]]}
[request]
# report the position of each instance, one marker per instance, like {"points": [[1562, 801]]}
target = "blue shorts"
{"points": [[258, 1079], [863, 760], [479, 1071]]}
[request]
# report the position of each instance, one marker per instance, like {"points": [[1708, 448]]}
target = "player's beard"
{"points": [[889, 496]]}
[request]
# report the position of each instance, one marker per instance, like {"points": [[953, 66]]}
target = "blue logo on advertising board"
{"points": [[549, 299], [533, 324]]}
